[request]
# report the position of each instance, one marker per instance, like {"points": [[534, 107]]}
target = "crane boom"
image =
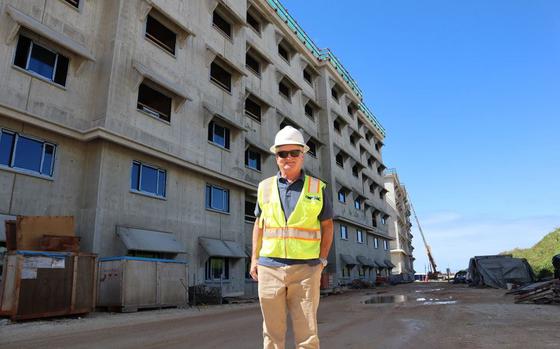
{"points": [[428, 249]]}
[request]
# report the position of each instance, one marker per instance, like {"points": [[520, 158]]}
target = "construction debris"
{"points": [[545, 292], [360, 284], [205, 295]]}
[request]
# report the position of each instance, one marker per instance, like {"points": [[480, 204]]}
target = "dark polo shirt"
{"points": [[289, 195]]}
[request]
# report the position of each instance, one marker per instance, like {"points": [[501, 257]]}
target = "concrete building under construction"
{"points": [[149, 122], [399, 229]]}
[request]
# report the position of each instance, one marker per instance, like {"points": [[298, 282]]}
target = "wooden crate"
{"points": [[45, 284], [30, 229], [11, 240], [59, 243], [131, 283]]}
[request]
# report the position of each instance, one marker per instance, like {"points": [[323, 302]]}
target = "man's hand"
{"points": [[254, 271], [257, 242]]}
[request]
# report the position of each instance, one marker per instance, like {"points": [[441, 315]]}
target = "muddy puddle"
{"points": [[386, 299], [436, 301]]}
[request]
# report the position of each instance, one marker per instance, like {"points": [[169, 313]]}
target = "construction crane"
{"points": [[433, 274]]}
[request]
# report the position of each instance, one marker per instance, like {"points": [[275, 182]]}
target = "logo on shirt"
{"points": [[313, 197]]}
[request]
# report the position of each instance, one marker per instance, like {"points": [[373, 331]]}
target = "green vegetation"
{"points": [[540, 255]]}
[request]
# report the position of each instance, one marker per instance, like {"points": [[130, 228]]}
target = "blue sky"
{"points": [[469, 93]]}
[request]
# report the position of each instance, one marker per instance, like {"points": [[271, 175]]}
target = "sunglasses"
{"points": [[292, 153]]}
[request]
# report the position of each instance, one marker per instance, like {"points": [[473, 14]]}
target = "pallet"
{"points": [[540, 293]]}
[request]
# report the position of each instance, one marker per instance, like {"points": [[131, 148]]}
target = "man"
{"points": [[291, 240]]}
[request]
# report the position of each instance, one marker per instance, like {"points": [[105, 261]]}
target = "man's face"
{"points": [[290, 164]]}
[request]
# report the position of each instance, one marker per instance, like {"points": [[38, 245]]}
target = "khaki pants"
{"points": [[293, 288]]}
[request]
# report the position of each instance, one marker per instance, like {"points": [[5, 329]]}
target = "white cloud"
{"points": [[454, 238]]}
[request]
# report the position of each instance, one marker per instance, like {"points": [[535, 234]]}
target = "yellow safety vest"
{"points": [[298, 237]]}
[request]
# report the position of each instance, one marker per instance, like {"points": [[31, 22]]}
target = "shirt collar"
{"points": [[283, 180]]}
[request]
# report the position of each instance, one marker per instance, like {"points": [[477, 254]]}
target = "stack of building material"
{"points": [[45, 274], [205, 295], [546, 292]]}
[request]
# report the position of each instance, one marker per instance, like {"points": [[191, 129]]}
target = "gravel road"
{"points": [[419, 315]]}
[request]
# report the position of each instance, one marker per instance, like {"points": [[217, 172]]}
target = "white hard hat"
{"points": [[289, 135]]}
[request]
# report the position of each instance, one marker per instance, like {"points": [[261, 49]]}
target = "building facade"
{"points": [[399, 229], [149, 122]]}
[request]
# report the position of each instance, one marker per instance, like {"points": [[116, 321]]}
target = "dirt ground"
{"points": [[425, 315]]}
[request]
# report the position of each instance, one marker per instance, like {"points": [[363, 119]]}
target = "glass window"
{"points": [[340, 159], [309, 111], [360, 236], [336, 126], [48, 159], [342, 195], [135, 176], [355, 171], [162, 180], [343, 232], [220, 76], [346, 271], [148, 179], [218, 134], [334, 93], [284, 90], [219, 21], [375, 242], [312, 148], [41, 61], [385, 245], [253, 22], [357, 204], [26, 153], [75, 3], [253, 159], [217, 268], [307, 76], [253, 109], [154, 102], [284, 52], [217, 198], [160, 34], [7, 141], [29, 153], [250, 211], [253, 64]]}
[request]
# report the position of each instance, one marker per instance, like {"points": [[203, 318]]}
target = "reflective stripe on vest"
{"points": [[299, 236]]}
